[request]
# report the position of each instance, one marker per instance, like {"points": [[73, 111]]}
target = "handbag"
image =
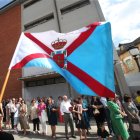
{"points": [[96, 111]]}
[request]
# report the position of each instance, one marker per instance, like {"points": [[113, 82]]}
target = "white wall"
{"points": [[54, 90]]}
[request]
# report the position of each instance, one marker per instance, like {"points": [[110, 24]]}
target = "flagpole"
{"points": [[4, 84]]}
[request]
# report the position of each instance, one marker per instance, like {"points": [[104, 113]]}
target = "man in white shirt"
{"points": [[12, 109], [68, 118], [16, 116]]}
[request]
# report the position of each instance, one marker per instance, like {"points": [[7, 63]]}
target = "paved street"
{"points": [[60, 134]]}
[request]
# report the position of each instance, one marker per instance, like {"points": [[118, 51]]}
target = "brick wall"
{"points": [[10, 29]]}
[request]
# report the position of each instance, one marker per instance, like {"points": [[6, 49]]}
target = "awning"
{"points": [[40, 76]]}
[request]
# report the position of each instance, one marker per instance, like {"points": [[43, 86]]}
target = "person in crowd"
{"points": [[116, 117], [44, 99], [52, 99], [16, 116], [12, 112], [1, 116], [68, 118], [77, 113], [103, 133], [60, 117], [23, 117], [137, 101], [34, 116], [80, 119], [84, 112], [38, 100], [98, 111], [20, 99], [4, 103], [125, 98], [41, 109], [6, 136], [8, 113], [52, 116], [132, 111], [84, 100], [117, 100], [107, 114], [133, 117]]}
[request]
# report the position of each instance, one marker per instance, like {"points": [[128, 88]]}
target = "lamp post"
{"points": [[135, 53]]}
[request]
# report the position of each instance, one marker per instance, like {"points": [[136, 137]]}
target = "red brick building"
{"points": [[10, 29]]}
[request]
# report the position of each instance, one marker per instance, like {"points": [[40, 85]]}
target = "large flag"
{"points": [[83, 57]]}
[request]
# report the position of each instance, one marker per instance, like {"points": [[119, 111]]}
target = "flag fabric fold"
{"points": [[83, 57]]}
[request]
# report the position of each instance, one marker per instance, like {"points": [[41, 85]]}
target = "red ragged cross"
{"points": [[92, 83]]}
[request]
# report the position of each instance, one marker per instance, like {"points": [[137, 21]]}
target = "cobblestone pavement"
{"points": [[60, 134]]}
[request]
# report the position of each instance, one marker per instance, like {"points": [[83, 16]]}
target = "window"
{"points": [[48, 81], [129, 63], [40, 83], [31, 84], [74, 6], [30, 3], [60, 80], [39, 21]]}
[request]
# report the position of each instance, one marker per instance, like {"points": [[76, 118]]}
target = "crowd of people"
{"points": [[110, 112]]}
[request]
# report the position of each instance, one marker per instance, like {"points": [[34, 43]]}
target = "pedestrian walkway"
{"points": [[60, 129]]}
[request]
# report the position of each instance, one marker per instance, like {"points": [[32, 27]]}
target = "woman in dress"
{"points": [[116, 116], [80, 120], [1, 116], [23, 117], [34, 116], [98, 111], [85, 114], [77, 112], [60, 117], [52, 116], [41, 109]]}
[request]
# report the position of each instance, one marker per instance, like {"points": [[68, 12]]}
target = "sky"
{"points": [[124, 16], [4, 2]]}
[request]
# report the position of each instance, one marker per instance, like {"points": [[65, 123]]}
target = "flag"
{"points": [[83, 57]]}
